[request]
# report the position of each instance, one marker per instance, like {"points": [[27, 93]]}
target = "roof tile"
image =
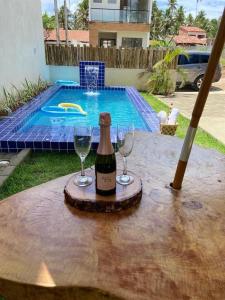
{"points": [[186, 39], [76, 35], [191, 29]]}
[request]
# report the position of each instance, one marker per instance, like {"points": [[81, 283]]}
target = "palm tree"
{"points": [[172, 5], [56, 21], [161, 81], [48, 24], [81, 15], [189, 20], [157, 24], [180, 18], [196, 12], [66, 19]]}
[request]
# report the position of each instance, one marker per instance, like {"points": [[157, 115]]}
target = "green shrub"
{"points": [[17, 97]]}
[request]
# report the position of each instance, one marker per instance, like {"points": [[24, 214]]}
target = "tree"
{"points": [[172, 6], [81, 16], [157, 22], [170, 18], [189, 20], [213, 28], [48, 24], [201, 20], [166, 23], [180, 18], [70, 17]]}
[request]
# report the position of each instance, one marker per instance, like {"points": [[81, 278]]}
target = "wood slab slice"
{"points": [[85, 198]]}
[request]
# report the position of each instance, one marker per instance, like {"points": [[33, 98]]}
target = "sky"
{"points": [[213, 8]]}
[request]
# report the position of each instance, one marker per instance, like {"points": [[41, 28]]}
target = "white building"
{"points": [[22, 52], [120, 23]]}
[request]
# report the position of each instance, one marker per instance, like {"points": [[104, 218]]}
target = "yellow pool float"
{"points": [[72, 105]]}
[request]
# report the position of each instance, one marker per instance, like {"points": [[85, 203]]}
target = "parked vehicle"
{"points": [[195, 67]]}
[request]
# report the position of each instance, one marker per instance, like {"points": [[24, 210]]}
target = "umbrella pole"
{"points": [[199, 105]]}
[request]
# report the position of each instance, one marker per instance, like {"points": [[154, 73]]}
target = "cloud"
{"points": [[212, 11]]}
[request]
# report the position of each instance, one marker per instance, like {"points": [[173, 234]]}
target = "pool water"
{"points": [[117, 102]]}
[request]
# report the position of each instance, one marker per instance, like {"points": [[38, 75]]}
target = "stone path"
{"points": [[13, 159]]}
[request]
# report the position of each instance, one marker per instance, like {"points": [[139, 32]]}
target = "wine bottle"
{"points": [[105, 164]]}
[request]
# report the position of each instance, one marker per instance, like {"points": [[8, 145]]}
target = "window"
{"points": [[107, 43], [131, 42], [97, 1], [192, 59], [204, 59], [112, 1], [182, 60]]}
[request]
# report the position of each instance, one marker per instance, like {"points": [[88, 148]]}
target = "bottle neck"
{"points": [[105, 146]]}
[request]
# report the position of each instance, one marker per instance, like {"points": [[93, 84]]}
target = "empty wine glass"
{"points": [[82, 145], [125, 142]]}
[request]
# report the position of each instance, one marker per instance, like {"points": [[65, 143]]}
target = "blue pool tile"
{"points": [[29, 144], [4, 144], [70, 146], [54, 146], [42, 138], [20, 145]]}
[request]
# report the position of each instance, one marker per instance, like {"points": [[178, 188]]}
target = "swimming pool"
{"points": [[30, 127], [117, 102]]}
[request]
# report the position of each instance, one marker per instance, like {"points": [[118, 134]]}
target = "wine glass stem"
{"points": [[124, 165], [82, 167]]}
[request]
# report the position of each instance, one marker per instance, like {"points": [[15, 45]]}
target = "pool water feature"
{"points": [[30, 127], [91, 77]]}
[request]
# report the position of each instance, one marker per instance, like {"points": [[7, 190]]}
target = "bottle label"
{"points": [[106, 181]]}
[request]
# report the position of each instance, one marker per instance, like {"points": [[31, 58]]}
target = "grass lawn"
{"points": [[202, 138], [42, 167]]}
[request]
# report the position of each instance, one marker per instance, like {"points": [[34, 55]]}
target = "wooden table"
{"points": [[171, 247]]}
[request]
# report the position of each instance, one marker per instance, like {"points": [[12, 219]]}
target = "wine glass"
{"points": [[125, 142], [82, 145]]}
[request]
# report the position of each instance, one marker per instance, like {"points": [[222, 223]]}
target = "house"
{"points": [[192, 31], [119, 23], [185, 40], [75, 37], [190, 36]]}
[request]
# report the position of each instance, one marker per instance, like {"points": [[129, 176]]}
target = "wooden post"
{"points": [[199, 105]]}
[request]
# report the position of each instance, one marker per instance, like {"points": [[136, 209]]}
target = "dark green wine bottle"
{"points": [[105, 163]]}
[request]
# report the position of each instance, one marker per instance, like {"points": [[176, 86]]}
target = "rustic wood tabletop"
{"points": [[172, 246]]}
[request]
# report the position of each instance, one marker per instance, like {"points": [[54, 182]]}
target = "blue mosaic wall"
{"points": [[101, 73]]}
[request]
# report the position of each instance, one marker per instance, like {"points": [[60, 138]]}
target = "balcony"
{"points": [[119, 15]]}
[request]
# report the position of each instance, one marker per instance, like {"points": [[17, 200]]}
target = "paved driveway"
{"points": [[213, 117]]}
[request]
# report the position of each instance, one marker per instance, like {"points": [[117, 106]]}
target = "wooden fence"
{"points": [[131, 58]]}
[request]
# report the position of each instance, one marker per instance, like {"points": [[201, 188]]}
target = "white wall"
{"points": [[63, 73], [133, 34], [118, 77], [21, 42]]}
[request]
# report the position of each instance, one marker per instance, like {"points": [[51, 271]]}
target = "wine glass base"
{"points": [[83, 180], [124, 179]]}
